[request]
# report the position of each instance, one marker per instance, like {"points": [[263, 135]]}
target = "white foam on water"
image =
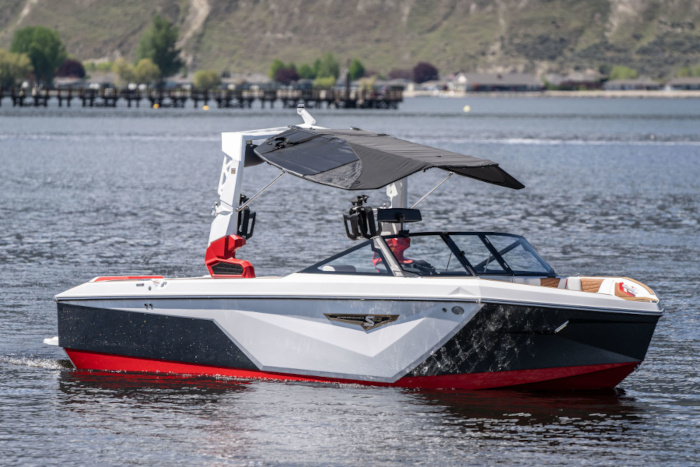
{"points": [[33, 362]]}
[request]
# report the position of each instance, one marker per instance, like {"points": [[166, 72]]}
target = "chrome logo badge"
{"points": [[367, 322]]}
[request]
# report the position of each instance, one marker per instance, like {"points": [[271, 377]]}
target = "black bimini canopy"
{"points": [[362, 160]]}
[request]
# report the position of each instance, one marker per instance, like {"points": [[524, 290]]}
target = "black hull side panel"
{"points": [[510, 337], [146, 335]]}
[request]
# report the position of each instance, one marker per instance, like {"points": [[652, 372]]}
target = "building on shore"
{"points": [[576, 81], [684, 84], [495, 82], [637, 84]]}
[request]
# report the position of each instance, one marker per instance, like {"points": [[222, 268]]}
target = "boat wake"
{"points": [[35, 362]]}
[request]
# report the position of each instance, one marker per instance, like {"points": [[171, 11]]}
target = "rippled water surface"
{"points": [[613, 188]]}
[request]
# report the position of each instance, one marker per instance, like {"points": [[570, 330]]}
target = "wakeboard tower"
{"points": [[464, 310]]}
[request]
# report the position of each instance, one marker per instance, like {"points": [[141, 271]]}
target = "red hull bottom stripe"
{"points": [[587, 377]]}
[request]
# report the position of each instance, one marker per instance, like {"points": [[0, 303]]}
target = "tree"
{"points": [[286, 75], [276, 65], [356, 70], [158, 45], [124, 70], [206, 79], [44, 49], [306, 72], [71, 67], [623, 72], [13, 68], [327, 66], [424, 71], [146, 71]]}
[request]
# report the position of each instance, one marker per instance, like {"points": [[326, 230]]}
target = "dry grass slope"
{"points": [[654, 36]]}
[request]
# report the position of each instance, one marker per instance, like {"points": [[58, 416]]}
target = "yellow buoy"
{"points": [[466, 108], [205, 107], [156, 105]]}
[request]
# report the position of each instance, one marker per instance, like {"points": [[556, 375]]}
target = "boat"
{"points": [[401, 307]]}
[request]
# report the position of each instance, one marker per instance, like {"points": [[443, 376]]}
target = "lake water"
{"points": [[613, 188]]}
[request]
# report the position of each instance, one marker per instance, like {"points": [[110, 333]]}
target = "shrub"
{"points": [[325, 82], [206, 79], [423, 72], [13, 68], [286, 75], [71, 67], [623, 72], [146, 71]]}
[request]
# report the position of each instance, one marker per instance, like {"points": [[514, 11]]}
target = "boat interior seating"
{"points": [[622, 287]]}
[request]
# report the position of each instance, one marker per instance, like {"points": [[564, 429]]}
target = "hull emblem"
{"points": [[366, 322]]}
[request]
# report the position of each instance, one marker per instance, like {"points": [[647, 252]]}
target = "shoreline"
{"points": [[596, 94]]}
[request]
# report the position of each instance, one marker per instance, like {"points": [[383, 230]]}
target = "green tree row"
{"points": [[324, 71], [39, 50]]}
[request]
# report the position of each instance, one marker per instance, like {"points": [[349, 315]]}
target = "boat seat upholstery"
{"points": [[621, 287], [553, 282]]}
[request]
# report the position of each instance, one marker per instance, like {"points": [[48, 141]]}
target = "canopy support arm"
{"points": [[242, 206], [430, 192]]}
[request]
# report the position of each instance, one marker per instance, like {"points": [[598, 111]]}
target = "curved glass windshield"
{"points": [[496, 253], [439, 254], [426, 255]]}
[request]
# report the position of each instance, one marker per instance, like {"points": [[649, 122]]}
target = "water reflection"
{"points": [[553, 416], [223, 420], [531, 408], [153, 389]]}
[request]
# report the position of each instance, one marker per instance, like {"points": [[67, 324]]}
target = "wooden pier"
{"points": [[223, 98]]}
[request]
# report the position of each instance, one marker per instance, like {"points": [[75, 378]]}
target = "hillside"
{"points": [[654, 36]]}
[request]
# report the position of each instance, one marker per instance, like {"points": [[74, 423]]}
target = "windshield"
{"points": [[462, 253], [364, 259], [426, 255], [439, 254]]}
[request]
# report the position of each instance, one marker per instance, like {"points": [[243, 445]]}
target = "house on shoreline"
{"points": [[684, 84], [637, 84], [495, 82]]}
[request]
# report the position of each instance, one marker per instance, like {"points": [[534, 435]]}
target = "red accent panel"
{"points": [[223, 250], [566, 378], [621, 287], [125, 278]]}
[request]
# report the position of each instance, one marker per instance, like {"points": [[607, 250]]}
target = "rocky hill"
{"points": [[654, 36]]}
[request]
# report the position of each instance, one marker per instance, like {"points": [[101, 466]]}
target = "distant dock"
{"points": [[223, 98]]}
